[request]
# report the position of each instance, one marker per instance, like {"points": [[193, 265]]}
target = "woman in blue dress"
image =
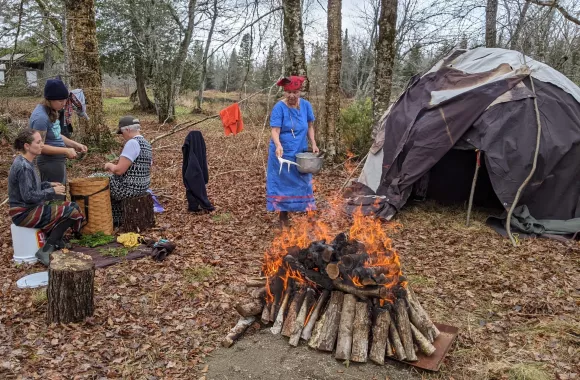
{"points": [[288, 190]]}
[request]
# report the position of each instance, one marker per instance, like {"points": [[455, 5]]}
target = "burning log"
{"points": [[329, 329], [250, 309], [276, 289], [352, 261], [280, 316], [396, 341], [328, 254], [378, 292], [422, 342], [333, 270], [293, 310], [360, 333], [344, 342], [404, 327], [313, 317], [380, 336], [237, 330], [353, 282], [301, 318]]}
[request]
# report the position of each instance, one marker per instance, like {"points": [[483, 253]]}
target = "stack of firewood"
{"points": [[339, 297]]}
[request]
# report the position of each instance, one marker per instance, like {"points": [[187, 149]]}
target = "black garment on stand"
{"points": [[195, 173]]}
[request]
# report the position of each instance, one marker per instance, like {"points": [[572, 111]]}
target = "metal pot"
{"points": [[309, 162]]}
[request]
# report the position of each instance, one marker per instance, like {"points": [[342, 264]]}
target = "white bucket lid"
{"points": [[34, 280]]}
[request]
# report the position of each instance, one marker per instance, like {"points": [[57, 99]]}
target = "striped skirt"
{"points": [[47, 216]]}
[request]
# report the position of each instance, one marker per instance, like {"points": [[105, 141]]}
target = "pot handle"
{"points": [[321, 153]]}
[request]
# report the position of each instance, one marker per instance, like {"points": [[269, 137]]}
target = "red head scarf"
{"points": [[292, 83]]}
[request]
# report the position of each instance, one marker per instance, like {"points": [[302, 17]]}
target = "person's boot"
{"points": [[43, 254]]}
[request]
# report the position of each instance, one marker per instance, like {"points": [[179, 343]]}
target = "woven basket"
{"points": [[94, 198]]}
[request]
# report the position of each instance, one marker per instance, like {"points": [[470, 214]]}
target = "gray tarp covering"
{"points": [[493, 111]]}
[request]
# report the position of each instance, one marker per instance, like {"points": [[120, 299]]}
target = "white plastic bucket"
{"points": [[26, 241]]}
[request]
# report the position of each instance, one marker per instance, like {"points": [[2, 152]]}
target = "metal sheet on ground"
{"points": [[442, 345]]}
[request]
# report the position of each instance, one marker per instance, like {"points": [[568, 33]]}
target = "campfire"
{"points": [[345, 294]]}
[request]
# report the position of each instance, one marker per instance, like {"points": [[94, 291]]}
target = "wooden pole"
{"points": [[473, 183]]}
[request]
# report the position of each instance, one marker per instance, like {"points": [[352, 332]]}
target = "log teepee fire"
{"points": [[345, 294]]}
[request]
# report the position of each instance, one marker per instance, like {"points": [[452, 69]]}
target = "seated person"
{"points": [[131, 176], [29, 206]]}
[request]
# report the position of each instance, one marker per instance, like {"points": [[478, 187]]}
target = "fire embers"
{"points": [[341, 297]]}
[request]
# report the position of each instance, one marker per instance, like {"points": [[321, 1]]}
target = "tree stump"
{"points": [[70, 287], [138, 213]]}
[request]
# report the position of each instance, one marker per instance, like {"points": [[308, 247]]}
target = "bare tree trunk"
{"points": [[206, 55], [20, 12], [332, 112], [491, 23], [514, 43], [362, 85], [141, 58], [168, 79], [385, 57], [294, 39], [145, 104], [85, 68]]}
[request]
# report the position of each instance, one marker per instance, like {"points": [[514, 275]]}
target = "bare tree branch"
{"points": [[554, 4]]}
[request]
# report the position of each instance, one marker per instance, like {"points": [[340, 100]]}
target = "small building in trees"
{"points": [[22, 69]]}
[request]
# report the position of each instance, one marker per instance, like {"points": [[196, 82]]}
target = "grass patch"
{"points": [[114, 252], [199, 274], [419, 280], [38, 297], [94, 240], [528, 371], [565, 331], [222, 218]]}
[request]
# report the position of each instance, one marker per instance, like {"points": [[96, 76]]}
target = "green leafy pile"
{"points": [[94, 240]]}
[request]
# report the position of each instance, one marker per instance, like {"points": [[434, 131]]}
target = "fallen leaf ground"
{"points": [[517, 308]]}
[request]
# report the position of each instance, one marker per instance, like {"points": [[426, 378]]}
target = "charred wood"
{"points": [[313, 317], [293, 310], [301, 318], [277, 327]]}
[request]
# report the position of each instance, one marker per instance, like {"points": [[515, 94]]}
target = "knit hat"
{"points": [[55, 89], [292, 83], [128, 121]]}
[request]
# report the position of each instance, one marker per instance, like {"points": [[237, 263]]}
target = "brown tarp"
{"points": [[496, 117]]}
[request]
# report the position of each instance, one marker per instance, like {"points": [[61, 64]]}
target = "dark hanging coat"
{"points": [[195, 173]]}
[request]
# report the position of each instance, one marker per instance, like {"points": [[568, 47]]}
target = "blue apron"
{"points": [[289, 190]]}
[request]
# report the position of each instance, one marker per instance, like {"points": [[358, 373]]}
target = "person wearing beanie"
{"points": [[131, 175], [57, 147]]}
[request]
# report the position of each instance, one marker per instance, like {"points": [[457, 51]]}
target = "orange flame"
{"points": [[315, 226]]}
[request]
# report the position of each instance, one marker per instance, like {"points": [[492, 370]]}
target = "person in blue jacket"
{"points": [[292, 118]]}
